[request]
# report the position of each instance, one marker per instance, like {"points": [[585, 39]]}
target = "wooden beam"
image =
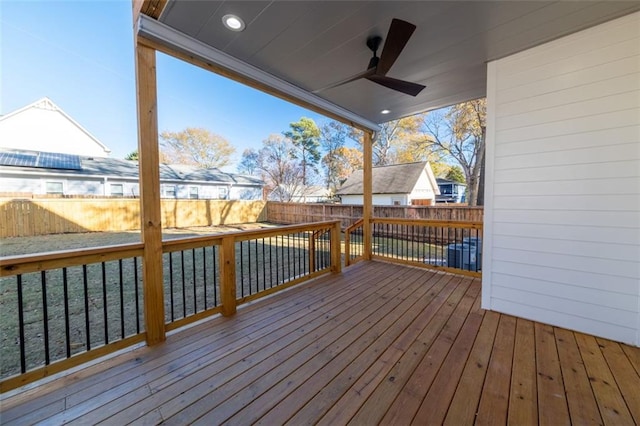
{"points": [[367, 197], [149, 164], [336, 252], [151, 8], [228, 275], [246, 81]]}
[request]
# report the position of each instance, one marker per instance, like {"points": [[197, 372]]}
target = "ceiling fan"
{"points": [[399, 34]]}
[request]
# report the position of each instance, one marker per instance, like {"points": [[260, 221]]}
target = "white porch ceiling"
{"points": [[312, 44]]}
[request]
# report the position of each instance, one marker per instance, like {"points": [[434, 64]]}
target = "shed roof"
{"points": [[393, 179]]}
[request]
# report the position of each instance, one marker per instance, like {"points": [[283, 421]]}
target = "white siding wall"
{"points": [[53, 133], [562, 214], [423, 190]]}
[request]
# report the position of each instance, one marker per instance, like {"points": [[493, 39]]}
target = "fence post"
{"points": [[336, 251], [228, 276]]}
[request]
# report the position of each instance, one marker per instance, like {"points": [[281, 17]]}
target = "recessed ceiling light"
{"points": [[233, 22], [385, 111]]}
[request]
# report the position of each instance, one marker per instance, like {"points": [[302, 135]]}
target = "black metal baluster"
{"points": [[271, 262], [204, 275], [257, 267], [264, 268], [87, 326], [241, 269], [277, 264], [215, 277], [121, 300], [195, 281], [105, 312], [135, 284], [171, 285], [23, 361], [249, 262], [288, 257], [184, 287], [67, 334], [45, 314]]}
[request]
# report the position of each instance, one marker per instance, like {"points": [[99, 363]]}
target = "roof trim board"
{"points": [[175, 42]]}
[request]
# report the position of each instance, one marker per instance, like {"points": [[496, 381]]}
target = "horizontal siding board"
{"points": [[569, 306], [597, 138], [613, 32], [627, 253], [575, 109], [617, 186], [606, 297], [609, 120], [590, 218], [588, 325], [582, 78], [539, 71], [626, 202], [602, 280], [616, 268], [622, 168], [591, 155], [576, 232], [601, 89]]}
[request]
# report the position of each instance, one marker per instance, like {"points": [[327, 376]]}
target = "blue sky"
{"points": [[80, 55]]}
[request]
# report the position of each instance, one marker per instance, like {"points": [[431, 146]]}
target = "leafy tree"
{"points": [[305, 135], [249, 162], [337, 158], [197, 147], [459, 133], [455, 174], [347, 160], [133, 155]]}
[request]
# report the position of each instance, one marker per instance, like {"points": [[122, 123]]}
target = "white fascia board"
{"points": [[157, 31]]}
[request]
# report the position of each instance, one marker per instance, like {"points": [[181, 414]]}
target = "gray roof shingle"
{"points": [[394, 179]]}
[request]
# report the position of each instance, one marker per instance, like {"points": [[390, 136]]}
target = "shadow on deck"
{"points": [[380, 343]]}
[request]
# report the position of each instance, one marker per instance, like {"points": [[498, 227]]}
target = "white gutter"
{"points": [[157, 31]]}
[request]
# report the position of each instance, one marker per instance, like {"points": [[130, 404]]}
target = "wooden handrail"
{"points": [[14, 265]]}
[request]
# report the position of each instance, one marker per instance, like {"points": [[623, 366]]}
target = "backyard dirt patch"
{"points": [[45, 243]]}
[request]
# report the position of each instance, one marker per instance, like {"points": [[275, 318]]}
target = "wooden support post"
{"points": [[336, 251], [312, 251], [367, 202], [228, 276], [149, 164]]}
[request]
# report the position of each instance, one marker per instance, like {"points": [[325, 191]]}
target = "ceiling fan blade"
{"points": [[400, 85], [358, 76], [399, 34]]}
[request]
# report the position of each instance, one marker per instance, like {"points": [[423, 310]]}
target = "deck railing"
{"points": [[62, 309], [353, 243], [445, 245]]}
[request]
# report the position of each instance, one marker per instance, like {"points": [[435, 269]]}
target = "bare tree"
{"points": [[459, 132], [282, 175]]}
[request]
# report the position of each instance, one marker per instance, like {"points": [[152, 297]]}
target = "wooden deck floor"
{"points": [[379, 343]]}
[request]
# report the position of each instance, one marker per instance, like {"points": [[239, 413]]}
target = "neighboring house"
{"points": [[31, 172], [450, 191], [43, 126], [411, 184], [312, 194]]}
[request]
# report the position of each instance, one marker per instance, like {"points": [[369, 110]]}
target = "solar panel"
{"points": [[18, 159], [50, 160]]}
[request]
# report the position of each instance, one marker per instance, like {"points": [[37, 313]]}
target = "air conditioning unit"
{"points": [[463, 256]]}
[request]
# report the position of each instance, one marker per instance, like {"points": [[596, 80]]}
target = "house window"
{"points": [[116, 190], [193, 192], [223, 192], [170, 191], [54, 188]]}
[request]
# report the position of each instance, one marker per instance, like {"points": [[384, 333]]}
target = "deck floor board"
{"points": [[377, 344]]}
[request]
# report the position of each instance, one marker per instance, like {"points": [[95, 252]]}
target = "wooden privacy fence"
{"points": [[290, 213], [25, 218]]}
